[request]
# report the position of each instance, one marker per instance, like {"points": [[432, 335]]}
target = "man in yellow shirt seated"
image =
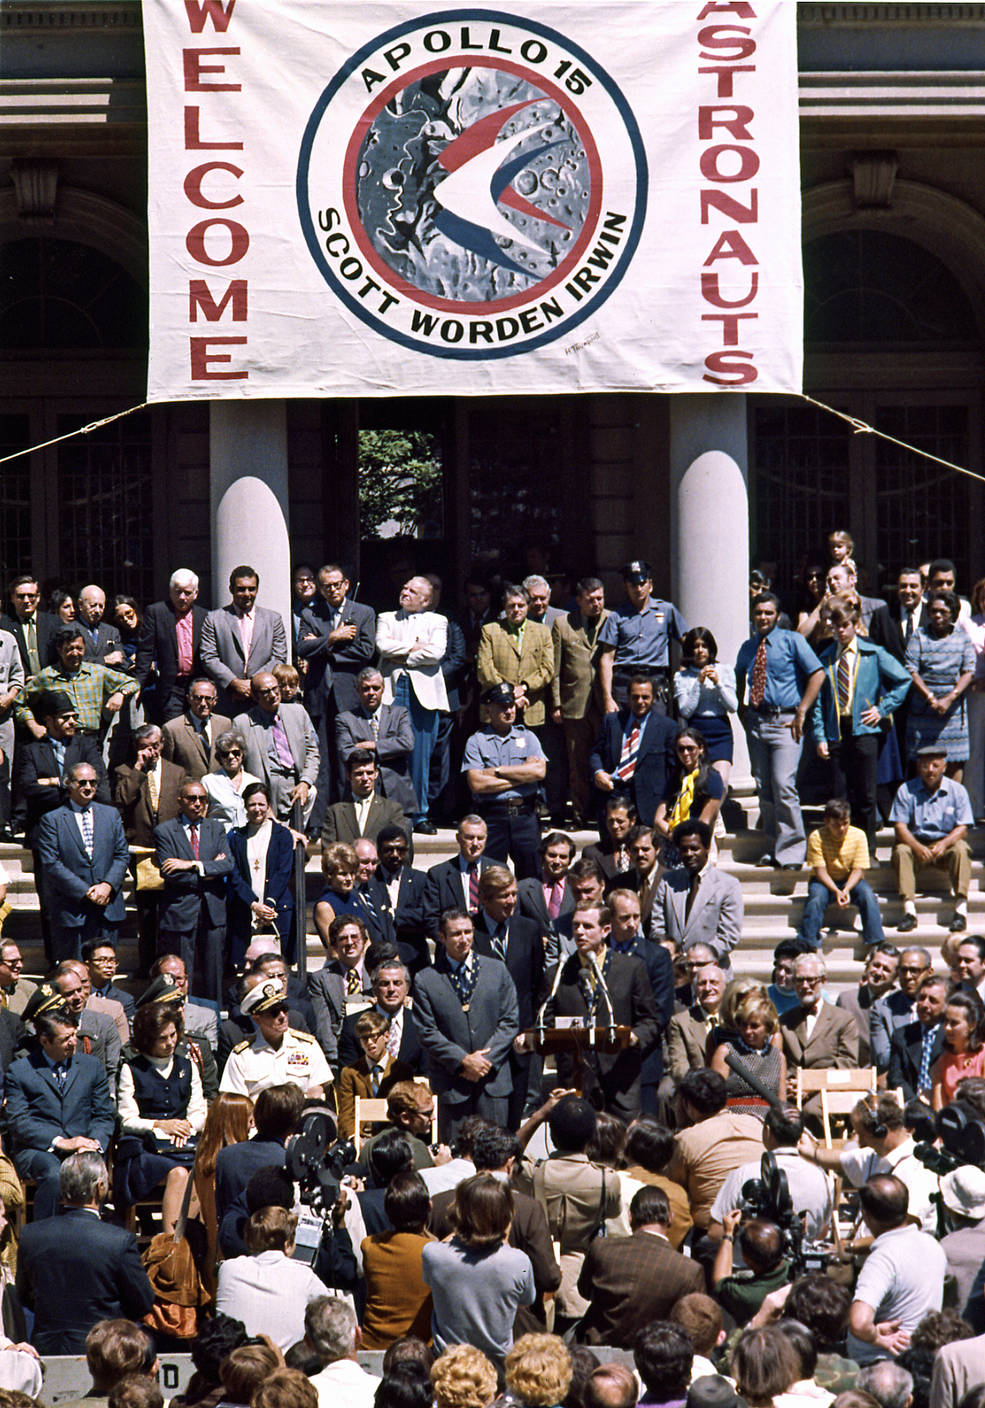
{"points": [[838, 855]]}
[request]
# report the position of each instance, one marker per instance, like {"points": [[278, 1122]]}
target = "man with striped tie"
{"points": [[634, 754]]}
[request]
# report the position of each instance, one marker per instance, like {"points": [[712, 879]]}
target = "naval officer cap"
{"points": [[263, 997], [637, 571], [163, 989], [499, 694]]}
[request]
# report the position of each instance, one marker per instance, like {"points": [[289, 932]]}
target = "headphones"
{"points": [[878, 1129]]}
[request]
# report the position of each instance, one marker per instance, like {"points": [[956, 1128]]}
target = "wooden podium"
{"points": [[576, 1042]]}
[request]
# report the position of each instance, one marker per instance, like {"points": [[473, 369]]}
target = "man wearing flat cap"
{"points": [[504, 766], [635, 640], [277, 1054], [931, 814]]}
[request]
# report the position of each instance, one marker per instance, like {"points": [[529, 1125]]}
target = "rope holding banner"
{"points": [[82, 430]]}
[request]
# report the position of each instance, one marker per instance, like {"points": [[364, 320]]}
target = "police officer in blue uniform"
{"points": [[504, 766], [635, 639]]}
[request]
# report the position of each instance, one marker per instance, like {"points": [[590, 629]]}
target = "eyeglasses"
{"points": [[803, 982], [231, 753], [12, 962], [913, 967]]}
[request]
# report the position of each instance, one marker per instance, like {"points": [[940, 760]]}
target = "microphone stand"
{"points": [[539, 1023], [604, 989]]}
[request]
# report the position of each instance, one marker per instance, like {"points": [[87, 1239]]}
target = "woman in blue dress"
{"points": [[704, 692], [941, 659]]}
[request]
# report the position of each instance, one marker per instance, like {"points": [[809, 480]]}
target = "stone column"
{"points": [[710, 524], [249, 499]]}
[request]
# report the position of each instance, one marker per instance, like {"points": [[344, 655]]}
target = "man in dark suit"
{"points": [[466, 1012], [146, 793], [83, 853], [632, 1281], [454, 884], [366, 812], [915, 1047], [101, 640], [32, 629], [548, 897], [606, 987], [892, 626], [634, 753], [192, 855], [383, 728], [241, 640], [278, 1109], [405, 890], [372, 893], [519, 943], [58, 1101], [76, 1270], [170, 642], [391, 989], [626, 936], [189, 739]]}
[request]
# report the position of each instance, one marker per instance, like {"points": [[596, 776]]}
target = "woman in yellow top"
{"points": [[695, 792]]}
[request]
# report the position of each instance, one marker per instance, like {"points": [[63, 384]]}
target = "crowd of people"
{"points": [[587, 1233]]}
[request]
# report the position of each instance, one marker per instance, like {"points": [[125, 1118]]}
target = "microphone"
{"points": [[603, 986], [539, 1023]]}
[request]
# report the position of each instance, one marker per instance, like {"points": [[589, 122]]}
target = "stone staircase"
{"points": [[773, 900]]}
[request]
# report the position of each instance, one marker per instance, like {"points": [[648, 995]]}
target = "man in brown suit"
{"points": [[816, 1035], [146, 793], [518, 652], [688, 1031], [631, 1281], [575, 701], [189, 740]]}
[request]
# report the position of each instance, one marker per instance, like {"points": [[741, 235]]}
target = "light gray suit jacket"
{"points": [[958, 1367], [11, 673], [394, 744], [448, 1033], [301, 737], [222, 649], [715, 918]]}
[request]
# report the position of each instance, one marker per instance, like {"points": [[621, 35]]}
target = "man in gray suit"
{"points": [[101, 641], [281, 747], [385, 728], [465, 1008], [697, 903], [241, 640]]}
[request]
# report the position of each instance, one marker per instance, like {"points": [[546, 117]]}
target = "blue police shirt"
{"points": [[488, 749], [789, 662], [640, 638], [930, 816]]}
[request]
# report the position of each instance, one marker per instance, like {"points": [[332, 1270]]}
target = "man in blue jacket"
{"points": [[863, 687]]}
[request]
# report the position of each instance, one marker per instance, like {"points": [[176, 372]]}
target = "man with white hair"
{"points": [[101, 640], [815, 1033], [412, 642], [889, 1384], [332, 1331], [170, 639]]}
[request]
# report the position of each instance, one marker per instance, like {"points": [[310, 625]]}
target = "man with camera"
{"points": [[808, 1184]]}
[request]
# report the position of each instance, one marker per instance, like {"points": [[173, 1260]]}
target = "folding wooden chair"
{"points": [[839, 1092]]}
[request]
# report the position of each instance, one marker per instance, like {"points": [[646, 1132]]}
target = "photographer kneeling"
{"points": [[761, 1245]]}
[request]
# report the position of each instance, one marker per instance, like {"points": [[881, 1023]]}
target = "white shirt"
{"points": [[862, 1164], [901, 1279], [810, 1190], [362, 806], [344, 1384], [130, 1115], [256, 854], [444, 1177], [269, 1293], [255, 1065]]}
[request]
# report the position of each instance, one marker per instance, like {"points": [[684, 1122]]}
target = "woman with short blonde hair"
{"points": [[463, 1377], [538, 1371]]}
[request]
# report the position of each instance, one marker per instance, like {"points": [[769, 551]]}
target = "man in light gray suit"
{"points": [[385, 728], [240, 640], [281, 747], [698, 904], [465, 1008]]}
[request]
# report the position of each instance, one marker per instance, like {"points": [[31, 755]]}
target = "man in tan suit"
{"points": [[688, 1031], [518, 652], [189, 740], [575, 700], [816, 1035]]}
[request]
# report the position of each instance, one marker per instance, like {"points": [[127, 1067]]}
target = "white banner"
{"points": [[371, 199]]}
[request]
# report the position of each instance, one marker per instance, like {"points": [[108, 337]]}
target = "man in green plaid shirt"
{"points": [[95, 690]]}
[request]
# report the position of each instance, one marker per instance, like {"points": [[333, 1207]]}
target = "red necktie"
{"points": [[473, 887], [757, 689], [193, 837], [844, 682]]}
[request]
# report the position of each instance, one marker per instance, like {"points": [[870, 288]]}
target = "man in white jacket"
{"points": [[411, 643]]}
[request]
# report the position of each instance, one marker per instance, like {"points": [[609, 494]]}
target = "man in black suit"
{"points": [[892, 626], [58, 1101], [454, 884], [373, 894], [101, 641], [634, 753], [170, 640], [915, 1047], [548, 897], [192, 855], [32, 629], [391, 989], [519, 943], [76, 1270], [405, 890], [606, 987], [626, 936]]}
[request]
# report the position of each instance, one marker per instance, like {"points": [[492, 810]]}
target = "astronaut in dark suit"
{"points": [[626, 936], [76, 1270], [538, 895], [192, 854], [58, 1101], [405, 890], [465, 1007], [906, 1049], [645, 779], [454, 884], [606, 987], [519, 943], [82, 879], [162, 647]]}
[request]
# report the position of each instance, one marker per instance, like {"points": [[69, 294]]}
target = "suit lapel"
{"points": [[197, 742]]}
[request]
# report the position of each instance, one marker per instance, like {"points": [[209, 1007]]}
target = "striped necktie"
{"points": [[844, 681], [630, 754]]}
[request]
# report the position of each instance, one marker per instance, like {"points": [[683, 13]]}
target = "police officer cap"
{"points": [[499, 694], [44, 998], [637, 571], [163, 989], [49, 702], [932, 750], [263, 997]]}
